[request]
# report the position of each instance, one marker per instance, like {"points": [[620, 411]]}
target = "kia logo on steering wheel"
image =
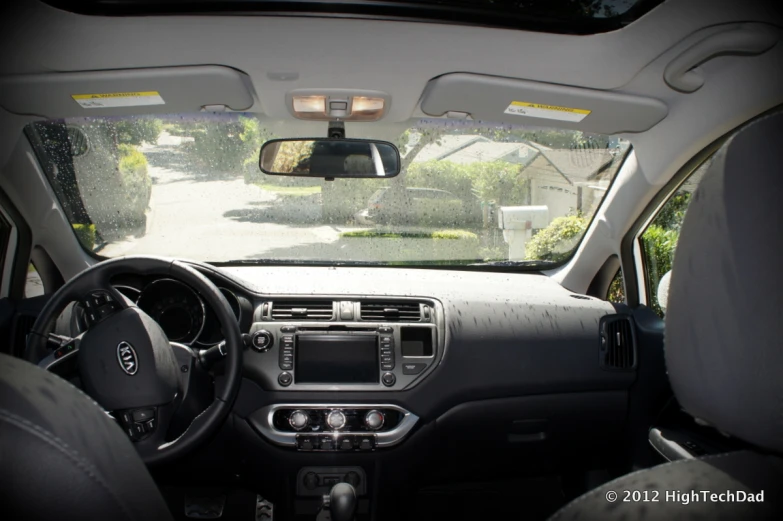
{"points": [[126, 355]]}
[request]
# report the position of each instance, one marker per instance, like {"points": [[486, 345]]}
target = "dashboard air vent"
{"points": [[303, 310], [617, 343], [400, 311]]}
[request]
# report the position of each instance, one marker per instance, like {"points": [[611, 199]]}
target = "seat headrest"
{"points": [[724, 321]]}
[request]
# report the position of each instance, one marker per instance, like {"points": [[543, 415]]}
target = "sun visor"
{"points": [[522, 102], [127, 91]]}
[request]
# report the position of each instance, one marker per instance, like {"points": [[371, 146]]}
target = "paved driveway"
{"points": [[204, 214]]}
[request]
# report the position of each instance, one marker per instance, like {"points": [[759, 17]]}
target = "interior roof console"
{"points": [[328, 344]]}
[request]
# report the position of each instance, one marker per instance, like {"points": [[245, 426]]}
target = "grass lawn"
{"points": [[290, 190]]}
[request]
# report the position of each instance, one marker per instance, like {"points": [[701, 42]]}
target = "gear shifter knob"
{"points": [[342, 502]]}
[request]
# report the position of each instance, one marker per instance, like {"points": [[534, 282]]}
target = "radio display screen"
{"points": [[336, 359]]}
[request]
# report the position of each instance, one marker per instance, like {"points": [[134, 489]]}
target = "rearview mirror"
{"points": [[329, 158]]}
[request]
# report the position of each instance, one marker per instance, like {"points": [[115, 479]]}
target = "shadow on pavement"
{"points": [[186, 165], [285, 211]]}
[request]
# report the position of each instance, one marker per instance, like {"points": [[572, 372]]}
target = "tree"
{"points": [[135, 130]]}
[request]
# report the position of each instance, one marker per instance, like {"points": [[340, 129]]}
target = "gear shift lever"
{"points": [[341, 502]]}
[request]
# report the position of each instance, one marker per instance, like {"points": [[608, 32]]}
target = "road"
{"points": [[204, 214]]}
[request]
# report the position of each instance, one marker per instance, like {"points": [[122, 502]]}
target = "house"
{"points": [[565, 180]]}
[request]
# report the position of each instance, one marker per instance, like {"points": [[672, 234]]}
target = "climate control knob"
{"points": [[336, 420], [373, 420], [298, 420]]}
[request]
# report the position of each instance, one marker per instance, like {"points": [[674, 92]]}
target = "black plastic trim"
{"points": [[21, 254]]}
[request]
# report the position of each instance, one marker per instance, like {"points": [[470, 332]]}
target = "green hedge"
{"points": [[437, 234], [556, 241], [409, 247], [135, 179], [86, 235]]}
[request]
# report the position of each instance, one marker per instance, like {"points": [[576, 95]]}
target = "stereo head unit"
{"points": [[336, 359], [342, 356]]}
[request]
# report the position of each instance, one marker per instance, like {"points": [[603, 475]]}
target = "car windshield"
{"points": [[190, 186]]}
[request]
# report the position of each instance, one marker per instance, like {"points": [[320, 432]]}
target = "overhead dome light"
{"points": [[339, 106], [310, 104], [366, 109]]}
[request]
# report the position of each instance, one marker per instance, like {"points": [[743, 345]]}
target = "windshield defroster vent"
{"points": [[618, 349], [302, 310], [402, 311]]}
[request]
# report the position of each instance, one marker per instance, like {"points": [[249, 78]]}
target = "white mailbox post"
{"points": [[518, 223]]}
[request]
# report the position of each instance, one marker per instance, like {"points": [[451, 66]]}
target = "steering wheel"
{"points": [[125, 361]]}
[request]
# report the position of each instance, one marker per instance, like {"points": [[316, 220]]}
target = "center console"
{"points": [[368, 346]]}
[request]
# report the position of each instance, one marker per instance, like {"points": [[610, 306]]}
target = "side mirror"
{"points": [[329, 158]]}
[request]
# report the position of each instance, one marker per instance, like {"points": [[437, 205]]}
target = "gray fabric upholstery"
{"points": [[745, 472], [724, 343], [62, 457]]}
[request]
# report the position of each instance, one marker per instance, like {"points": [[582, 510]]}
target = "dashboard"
{"points": [[357, 360]]}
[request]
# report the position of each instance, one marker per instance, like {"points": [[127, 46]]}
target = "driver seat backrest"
{"points": [[63, 457], [722, 344]]}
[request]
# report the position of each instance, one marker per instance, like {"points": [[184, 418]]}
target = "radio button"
{"points": [[408, 368], [388, 379], [285, 379]]}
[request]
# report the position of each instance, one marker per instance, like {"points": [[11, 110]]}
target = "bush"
{"points": [[136, 130], [403, 247], [136, 181], [86, 235], [556, 241]]}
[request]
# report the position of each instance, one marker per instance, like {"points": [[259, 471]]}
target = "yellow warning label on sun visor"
{"points": [[541, 110], [118, 99]]}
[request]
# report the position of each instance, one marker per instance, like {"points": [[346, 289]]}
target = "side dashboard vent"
{"points": [[302, 310], [400, 311], [618, 348]]}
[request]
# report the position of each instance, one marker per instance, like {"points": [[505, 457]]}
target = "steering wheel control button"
{"points": [[261, 340], [298, 420], [285, 379], [388, 379], [142, 415], [374, 420], [97, 306], [336, 420], [415, 368]]}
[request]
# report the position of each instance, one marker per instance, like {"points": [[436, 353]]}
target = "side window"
{"points": [[659, 241], [33, 286], [616, 293]]}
